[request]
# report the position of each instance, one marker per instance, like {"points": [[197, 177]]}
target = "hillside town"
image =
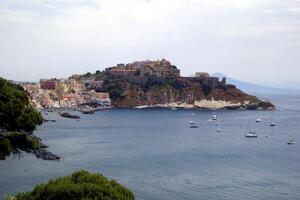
{"points": [[67, 93], [87, 90]]}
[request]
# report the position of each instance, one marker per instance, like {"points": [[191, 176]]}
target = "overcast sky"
{"points": [[252, 40]]}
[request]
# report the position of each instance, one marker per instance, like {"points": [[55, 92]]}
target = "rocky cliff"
{"points": [[179, 92]]}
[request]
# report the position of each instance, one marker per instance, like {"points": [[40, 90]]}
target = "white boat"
{"points": [[251, 135], [258, 120], [272, 121], [291, 142], [194, 126], [214, 117], [191, 122], [249, 132]]}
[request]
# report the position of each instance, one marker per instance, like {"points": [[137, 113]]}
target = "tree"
{"points": [[80, 185], [16, 113], [98, 72]]}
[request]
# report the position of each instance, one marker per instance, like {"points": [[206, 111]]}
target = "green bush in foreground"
{"points": [[16, 141], [5, 148], [16, 112], [81, 185]]}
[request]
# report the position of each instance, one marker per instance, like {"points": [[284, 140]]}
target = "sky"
{"points": [[251, 40]]}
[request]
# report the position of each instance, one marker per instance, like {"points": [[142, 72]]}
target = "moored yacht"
{"points": [[249, 132], [194, 126], [291, 142], [214, 117]]}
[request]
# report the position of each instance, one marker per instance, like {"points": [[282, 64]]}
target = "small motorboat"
{"points": [[218, 130], [291, 142], [194, 126], [214, 117], [258, 120], [191, 122], [272, 124], [251, 134]]}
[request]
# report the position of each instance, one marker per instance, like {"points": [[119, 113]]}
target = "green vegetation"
{"points": [[81, 185], [5, 148], [16, 140], [16, 113], [114, 89]]}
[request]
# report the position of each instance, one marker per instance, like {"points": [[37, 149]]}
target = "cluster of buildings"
{"points": [[67, 93], [142, 71], [74, 92], [209, 82]]}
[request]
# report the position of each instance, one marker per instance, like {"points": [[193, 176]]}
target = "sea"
{"points": [[156, 154]]}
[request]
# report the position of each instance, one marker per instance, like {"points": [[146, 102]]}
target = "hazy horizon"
{"points": [[251, 40]]}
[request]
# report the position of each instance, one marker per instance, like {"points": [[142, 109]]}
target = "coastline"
{"points": [[212, 105], [201, 104]]}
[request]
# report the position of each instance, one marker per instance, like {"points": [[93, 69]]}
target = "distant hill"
{"points": [[253, 88]]}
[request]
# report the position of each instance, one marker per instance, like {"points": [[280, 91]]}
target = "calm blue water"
{"points": [[156, 154]]}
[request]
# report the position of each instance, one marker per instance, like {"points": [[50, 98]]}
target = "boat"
{"points": [[291, 142], [88, 111], [272, 121], [218, 130], [251, 135], [191, 122], [249, 132], [214, 117], [68, 115], [258, 120], [194, 126]]}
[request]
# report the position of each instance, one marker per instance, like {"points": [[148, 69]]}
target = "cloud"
{"points": [[60, 37]]}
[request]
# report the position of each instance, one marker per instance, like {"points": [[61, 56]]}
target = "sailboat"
{"points": [[214, 117], [194, 126], [291, 142], [249, 133], [258, 120], [272, 121]]}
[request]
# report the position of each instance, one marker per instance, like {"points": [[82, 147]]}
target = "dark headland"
{"points": [[158, 83]]}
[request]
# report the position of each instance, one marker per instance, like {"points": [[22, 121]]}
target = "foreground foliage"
{"points": [[15, 140], [80, 185], [16, 113]]}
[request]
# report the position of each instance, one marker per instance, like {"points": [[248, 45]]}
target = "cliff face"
{"points": [[153, 83], [181, 90]]}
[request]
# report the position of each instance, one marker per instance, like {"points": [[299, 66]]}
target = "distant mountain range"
{"points": [[255, 88]]}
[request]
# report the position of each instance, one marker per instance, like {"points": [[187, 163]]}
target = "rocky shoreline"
{"points": [[212, 105], [16, 142]]}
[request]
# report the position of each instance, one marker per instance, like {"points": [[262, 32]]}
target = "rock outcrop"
{"points": [[191, 95], [137, 85]]}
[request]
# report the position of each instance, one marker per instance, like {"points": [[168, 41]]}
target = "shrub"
{"points": [[5, 148], [22, 141], [16, 114], [80, 185]]}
